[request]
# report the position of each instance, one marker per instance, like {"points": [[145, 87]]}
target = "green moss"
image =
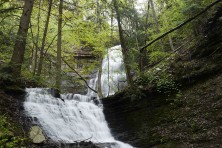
{"points": [[171, 144]]}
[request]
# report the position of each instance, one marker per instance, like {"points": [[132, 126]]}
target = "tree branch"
{"points": [[10, 16], [46, 50], [180, 25], [79, 75], [10, 9], [73, 70]]}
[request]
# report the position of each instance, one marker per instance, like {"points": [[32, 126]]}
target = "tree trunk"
{"points": [[146, 23], [165, 21], [100, 68], [43, 40], [156, 22], [98, 15], [59, 47], [108, 72], [111, 29], [35, 52], [123, 45], [19, 48], [154, 16], [171, 42], [99, 81], [37, 40], [143, 53], [136, 25]]}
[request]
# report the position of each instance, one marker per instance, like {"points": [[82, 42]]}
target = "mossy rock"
{"points": [[36, 135]]}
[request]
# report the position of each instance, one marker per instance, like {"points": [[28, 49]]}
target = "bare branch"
{"points": [[79, 75], [10, 9]]}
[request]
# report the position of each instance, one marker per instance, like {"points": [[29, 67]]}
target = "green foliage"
{"points": [[158, 79], [86, 29], [156, 56], [27, 76], [7, 137], [133, 59], [5, 75], [135, 94]]}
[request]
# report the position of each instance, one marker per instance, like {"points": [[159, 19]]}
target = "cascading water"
{"points": [[78, 117], [113, 73]]}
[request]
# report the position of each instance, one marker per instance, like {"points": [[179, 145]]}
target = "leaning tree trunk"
{"points": [[43, 40], [123, 45], [19, 48], [59, 47]]}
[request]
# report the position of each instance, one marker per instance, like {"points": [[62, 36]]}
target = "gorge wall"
{"points": [[190, 117]]}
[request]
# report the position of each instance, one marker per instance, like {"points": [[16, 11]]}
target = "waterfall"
{"points": [[78, 117], [113, 78]]}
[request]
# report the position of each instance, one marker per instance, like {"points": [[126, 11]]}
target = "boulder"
{"points": [[36, 135]]}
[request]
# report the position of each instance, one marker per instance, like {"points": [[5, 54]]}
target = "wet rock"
{"points": [[82, 144], [36, 135], [55, 92], [95, 100]]}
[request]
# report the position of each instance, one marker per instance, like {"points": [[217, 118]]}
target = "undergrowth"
{"points": [[159, 79], [7, 136]]}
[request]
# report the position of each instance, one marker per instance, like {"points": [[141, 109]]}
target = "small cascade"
{"points": [[76, 117]]}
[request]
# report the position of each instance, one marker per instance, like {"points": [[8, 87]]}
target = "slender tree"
{"points": [[143, 52], [98, 15], [100, 67], [123, 44], [154, 16], [20, 43], [35, 54], [44, 39], [165, 21], [156, 22], [59, 47], [99, 82]]}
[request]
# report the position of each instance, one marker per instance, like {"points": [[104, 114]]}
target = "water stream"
{"points": [[79, 117]]}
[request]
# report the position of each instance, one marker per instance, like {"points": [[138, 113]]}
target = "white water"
{"points": [[113, 78], [78, 117]]}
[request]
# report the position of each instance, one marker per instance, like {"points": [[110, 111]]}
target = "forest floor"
{"points": [[193, 119]]}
